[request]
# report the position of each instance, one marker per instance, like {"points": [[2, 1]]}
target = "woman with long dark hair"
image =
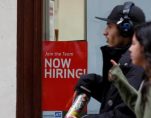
{"points": [[140, 50]]}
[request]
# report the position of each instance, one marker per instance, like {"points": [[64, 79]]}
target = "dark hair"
{"points": [[143, 35]]}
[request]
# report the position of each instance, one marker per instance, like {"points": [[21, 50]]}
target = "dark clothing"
{"points": [[102, 90]]}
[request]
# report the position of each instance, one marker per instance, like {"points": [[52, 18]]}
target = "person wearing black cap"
{"points": [[118, 32]]}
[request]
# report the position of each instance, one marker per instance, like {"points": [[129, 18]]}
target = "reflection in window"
{"points": [[63, 20]]}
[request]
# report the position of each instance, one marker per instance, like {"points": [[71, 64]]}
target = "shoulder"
{"points": [[127, 65], [125, 58], [132, 72]]}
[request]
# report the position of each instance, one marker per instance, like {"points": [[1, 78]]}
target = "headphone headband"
{"points": [[125, 24], [127, 7]]}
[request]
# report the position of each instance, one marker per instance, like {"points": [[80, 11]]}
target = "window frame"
{"points": [[29, 47]]}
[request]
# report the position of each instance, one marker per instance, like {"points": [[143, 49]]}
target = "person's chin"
{"points": [[134, 62], [110, 45]]}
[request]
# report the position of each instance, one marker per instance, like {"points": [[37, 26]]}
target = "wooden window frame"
{"points": [[29, 46]]}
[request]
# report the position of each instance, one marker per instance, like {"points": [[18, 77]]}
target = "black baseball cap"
{"points": [[136, 15]]}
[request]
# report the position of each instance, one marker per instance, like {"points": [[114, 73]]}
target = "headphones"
{"points": [[125, 24]]}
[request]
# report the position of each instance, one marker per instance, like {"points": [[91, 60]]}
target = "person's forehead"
{"points": [[111, 24]]}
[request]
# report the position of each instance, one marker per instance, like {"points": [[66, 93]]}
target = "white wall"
{"points": [[8, 22], [71, 19]]}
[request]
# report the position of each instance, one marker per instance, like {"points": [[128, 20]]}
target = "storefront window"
{"points": [[64, 54], [64, 20]]}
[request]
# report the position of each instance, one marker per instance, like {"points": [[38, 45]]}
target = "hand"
{"points": [[113, 62], [110, 76], [87, 83]]}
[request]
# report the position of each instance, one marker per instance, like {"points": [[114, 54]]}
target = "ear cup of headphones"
{"points": [[126, 27], [125, 24]]}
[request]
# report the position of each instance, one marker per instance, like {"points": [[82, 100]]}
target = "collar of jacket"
{"points": [[109, 53], [112, 52]]}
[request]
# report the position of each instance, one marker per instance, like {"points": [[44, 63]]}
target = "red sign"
{"points": [[62, 64]]}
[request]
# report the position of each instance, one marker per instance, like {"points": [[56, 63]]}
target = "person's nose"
{"points": [[105, 33]]}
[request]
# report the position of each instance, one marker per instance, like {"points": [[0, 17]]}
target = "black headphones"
{"points": [[125, 24]]}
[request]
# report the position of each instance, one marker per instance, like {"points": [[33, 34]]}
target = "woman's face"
{"points": [[136, 52]]}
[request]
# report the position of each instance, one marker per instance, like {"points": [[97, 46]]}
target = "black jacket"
{"points": [[102, 90]]}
